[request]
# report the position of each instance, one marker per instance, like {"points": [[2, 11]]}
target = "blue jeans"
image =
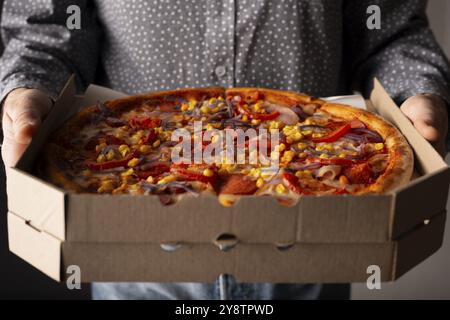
{"points": [[204, 291]]}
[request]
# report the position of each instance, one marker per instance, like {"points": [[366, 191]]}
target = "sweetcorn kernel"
{"points": [[342, 155], [257, 107], [275, 125], [184, 107], [256, 122], [145, 148], [323, 156], [212, 100], [302, 155], [288, 156], [302, 146], [280, 188], [226, 200], [379, 146], [281, 147], [128, 172], [133, 162], [101, 158], [110, 155], [156, 144], [167, 179], [106, 186], [150, 179], [192, 105], [204, 109], [208, 172], [260, 182], [343, 180], [255, 172], [100, 147], [317, 135], [244, 117]]}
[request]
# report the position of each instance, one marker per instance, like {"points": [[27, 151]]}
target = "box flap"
{"points": [[37, 202], [419, 244], [36, 247], [423, 198]]}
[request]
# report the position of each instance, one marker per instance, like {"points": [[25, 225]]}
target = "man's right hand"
{"points": [[23, 110]]}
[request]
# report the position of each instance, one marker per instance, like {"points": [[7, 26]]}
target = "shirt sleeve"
{"points": [[403, 54], [40, 50]]}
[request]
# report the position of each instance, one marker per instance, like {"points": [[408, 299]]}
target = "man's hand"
{"points": [[429, 115], [23, 111]]}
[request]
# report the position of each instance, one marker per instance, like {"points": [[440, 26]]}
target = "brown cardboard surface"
{"points": [[36, 247], [204, 262], [252, 220], [333, 237]]}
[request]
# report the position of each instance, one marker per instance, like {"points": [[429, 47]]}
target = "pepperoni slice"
{"points": [[237, 184], [359, 173]]}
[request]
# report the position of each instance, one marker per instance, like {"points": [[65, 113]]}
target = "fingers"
{"points": [[429, 115], [429, 132], [23, 111]]}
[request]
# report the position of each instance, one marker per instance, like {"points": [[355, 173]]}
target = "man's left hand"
{"points": [[429, 115]]}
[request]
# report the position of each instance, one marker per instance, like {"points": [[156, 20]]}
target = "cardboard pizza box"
{"points": [[129, 238]]}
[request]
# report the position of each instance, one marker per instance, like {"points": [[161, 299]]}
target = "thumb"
{"points": [[25, 122], [24, 109]]}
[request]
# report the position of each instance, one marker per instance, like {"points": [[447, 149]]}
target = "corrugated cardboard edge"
{"points": [[38, 248]]}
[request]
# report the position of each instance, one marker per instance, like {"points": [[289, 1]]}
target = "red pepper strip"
{"points": [[151, 137], [154, 171], [335, 135], [257, 116], [264, 116], [292, 183], [337, 161], [191, 175], [144, 123], [341, 191], [99, 166]]}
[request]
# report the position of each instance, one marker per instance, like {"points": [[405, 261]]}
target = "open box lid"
{"points": [[103, 218]]}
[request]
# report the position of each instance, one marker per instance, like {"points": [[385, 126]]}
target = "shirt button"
{"points": [[220, 71]]}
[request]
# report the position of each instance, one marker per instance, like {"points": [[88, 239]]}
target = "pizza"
{"points": [[187, 142]]}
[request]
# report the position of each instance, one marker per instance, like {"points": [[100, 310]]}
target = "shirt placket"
{"points": [[220, 24]]}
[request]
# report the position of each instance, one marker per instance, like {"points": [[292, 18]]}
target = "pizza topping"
{"points": [[292, 183], [318, 153], [335, 135], [237, 184], [359, 173]]}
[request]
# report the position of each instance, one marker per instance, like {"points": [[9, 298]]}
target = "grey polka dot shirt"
{"points": [[320, 47]]}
